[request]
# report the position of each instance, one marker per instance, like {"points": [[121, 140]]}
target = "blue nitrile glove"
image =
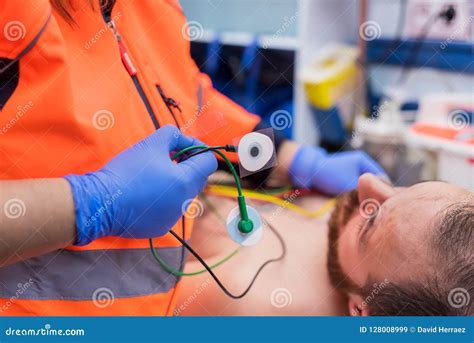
{"points": [[140, 193], [333, 174]]}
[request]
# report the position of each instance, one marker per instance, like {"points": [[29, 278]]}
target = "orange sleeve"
{"points": [[21, 22]]}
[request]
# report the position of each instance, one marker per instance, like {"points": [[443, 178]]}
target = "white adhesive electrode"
{"points": [[244, 239], [255, 150]]}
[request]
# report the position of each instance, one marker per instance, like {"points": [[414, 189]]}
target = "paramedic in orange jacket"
{"points": [[94, 98]]}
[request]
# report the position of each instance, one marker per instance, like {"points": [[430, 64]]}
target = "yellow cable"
{"points": [[231, 192]]}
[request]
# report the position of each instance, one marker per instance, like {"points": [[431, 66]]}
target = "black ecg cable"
{"points": [[182, 240], [214, 276]]}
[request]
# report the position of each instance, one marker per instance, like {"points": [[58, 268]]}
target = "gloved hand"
{"points": [[139, 193], [332, 174]]}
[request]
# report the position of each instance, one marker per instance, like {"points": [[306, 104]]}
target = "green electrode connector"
{"points": [[245, 224]]}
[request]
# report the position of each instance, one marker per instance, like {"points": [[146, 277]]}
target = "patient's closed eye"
{"points": [[364, 232]]}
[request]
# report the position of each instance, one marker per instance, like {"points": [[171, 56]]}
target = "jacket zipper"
{"points": [[170, 103], [106, 9], [132, 71]]}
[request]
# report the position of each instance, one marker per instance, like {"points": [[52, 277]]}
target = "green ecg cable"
{"points": [[203, 149], [176, 272], [245, 226]]}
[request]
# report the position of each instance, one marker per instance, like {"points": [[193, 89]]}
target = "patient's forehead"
{"points": [[419, 207], [433, 191], [416, 206]]}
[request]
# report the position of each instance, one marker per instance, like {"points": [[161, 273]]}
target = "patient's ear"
{"points": [[356, 306], [372, 187]]}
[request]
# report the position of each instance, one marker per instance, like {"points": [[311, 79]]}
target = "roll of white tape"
{"points": [[255, 150], [245, 239]]}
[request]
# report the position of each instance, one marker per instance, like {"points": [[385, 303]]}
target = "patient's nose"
{"points": [[372, 187]]}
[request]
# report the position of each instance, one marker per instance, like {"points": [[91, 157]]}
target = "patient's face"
{"points": [[379, 232]]}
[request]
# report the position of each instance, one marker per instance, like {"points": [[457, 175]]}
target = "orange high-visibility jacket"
{"points": [[71, 97]]}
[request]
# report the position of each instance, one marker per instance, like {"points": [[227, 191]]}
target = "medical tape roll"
{"points": [[244, 239], [256, 152]]}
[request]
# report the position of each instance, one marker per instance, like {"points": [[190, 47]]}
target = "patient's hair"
{"points": [[448, 289]]}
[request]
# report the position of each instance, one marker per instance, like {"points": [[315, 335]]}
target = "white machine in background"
{"points": [[444, 128], [384, 138], [438, 145]]}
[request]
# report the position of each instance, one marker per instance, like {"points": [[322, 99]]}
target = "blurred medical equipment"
{"points": [[397, 103], [254, 70], [436, 144], [330, 80], [331, 76], [444, 130], [384, 136]]}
